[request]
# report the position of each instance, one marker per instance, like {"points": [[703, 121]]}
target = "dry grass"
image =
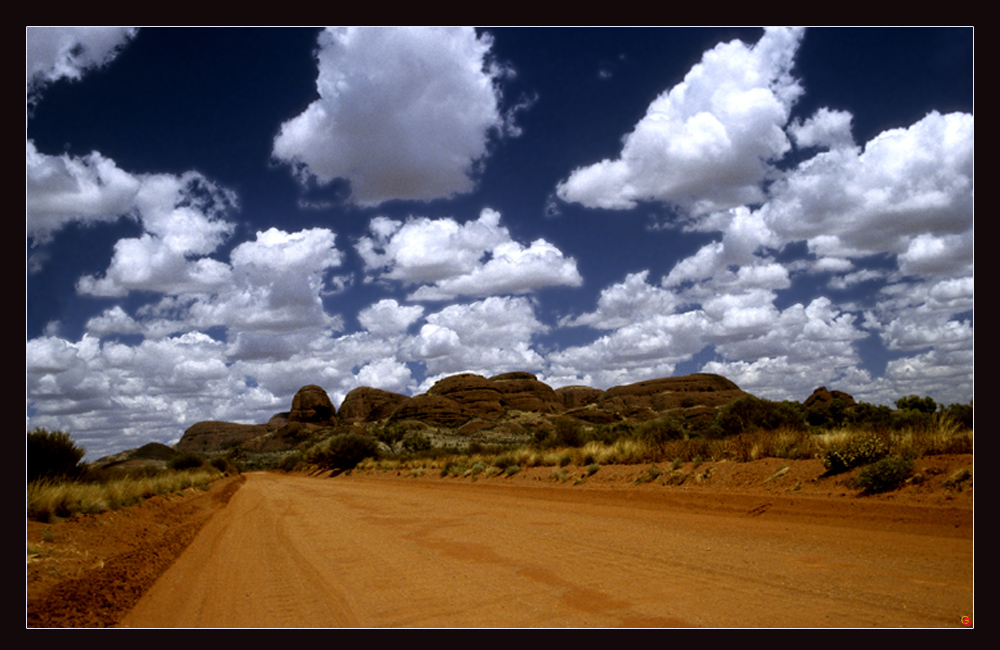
{"points": [[47, 500], [945, 437]]}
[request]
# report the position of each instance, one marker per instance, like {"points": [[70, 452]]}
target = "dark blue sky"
{"points": [[209, 228]]}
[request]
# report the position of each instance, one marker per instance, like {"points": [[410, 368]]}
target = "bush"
{"points": [[416, 443], [660, 431], [871, 416], [186, 461], [885, 475], [290, 462], [831, 415], [751, 413], [961, 413], [343, 451], [858, 451], [914, 403], [52, 455]]}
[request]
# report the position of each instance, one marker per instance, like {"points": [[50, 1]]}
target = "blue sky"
{"points": [[216, 217]]}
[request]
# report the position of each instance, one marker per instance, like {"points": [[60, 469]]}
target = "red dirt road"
{"points": [[393, 552]]}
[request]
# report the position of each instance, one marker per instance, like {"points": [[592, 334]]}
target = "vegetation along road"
{"points": [[371, 551]]}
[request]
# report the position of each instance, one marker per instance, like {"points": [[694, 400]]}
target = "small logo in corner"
{"points": [[967, 621]]}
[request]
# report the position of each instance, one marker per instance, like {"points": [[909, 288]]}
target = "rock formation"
{"points": [[212, 436], [823, 398], [522, 391], [311, 404], [364, 404], [464, 403]]}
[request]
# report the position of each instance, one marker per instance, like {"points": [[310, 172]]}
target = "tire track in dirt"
{"points": [[381, 552]]}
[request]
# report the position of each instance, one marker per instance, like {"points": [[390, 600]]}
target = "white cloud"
{"points": [[182, 217], [827, 128], [53, 53], [112, 395], [489, 336], [511, 269], [276, 252], [703, 145], [905, 183], [275, 290], [745, 233], [389, 318], [386, 374], [269, 298], [631, 301], [477, 258], [403, 113], [947, 375], [63, 189]]}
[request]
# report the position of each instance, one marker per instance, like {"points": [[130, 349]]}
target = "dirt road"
{"points": [[390, 552]]}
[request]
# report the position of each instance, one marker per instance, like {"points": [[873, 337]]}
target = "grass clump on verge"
{"points": [[49, 500], [652, 473], [958, 479]]}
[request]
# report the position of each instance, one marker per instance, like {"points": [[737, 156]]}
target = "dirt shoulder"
{"points": [[89, 571]]}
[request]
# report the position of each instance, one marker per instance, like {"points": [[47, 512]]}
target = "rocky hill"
{"points": [[514, 403]]}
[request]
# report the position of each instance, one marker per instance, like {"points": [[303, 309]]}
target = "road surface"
{"points": [[293, 551]]}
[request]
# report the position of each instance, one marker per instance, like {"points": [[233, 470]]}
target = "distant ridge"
{"points": [[514, 402]]}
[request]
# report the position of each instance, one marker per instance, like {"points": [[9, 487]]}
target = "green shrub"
{"points": [[652, 473], [186, 461], [831, 415], [452, 468], [659, 431], [343, 451], [609, 433], [288, 463], [857, 451], [914, 403], [961, 413], [415, 443], [224, 465], [884, 475], [565, 432], [52, 455], [752, 413], [870, 416], [504, 460]]}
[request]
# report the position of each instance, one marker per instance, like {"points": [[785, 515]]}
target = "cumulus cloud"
{"points": [[268, 297], [631, 301], [183, 217], [387, 317], [117, 394], [403, 113], [53, 53], [705, 144], [905, 183], [478, 258], [745, 233], [827, 128], [488, 336], [278, 282], [63, 189]]}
